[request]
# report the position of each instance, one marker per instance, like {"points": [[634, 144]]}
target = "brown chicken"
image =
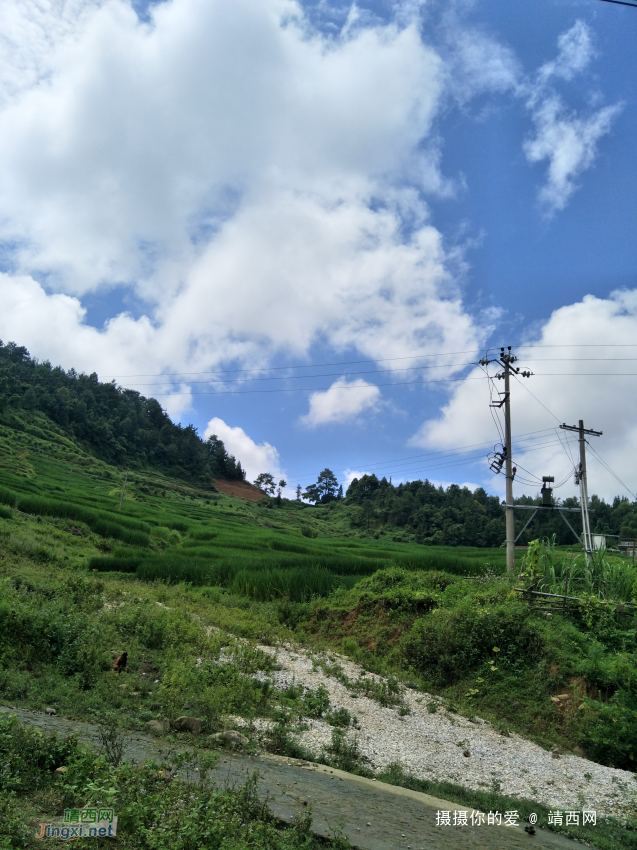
{"points": [[120, 662]]}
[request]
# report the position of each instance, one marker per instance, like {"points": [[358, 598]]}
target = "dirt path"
{"points": [[372, 815]]}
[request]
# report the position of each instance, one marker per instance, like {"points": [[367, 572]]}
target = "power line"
{"points": [[529, 435], [359, 362], [315, 389], [477, 455], [603, 462], [303, 365], [621, 3], [393, 384], [320, 375]]}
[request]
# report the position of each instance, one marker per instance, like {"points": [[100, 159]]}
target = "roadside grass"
{"points": [[155, 808]]}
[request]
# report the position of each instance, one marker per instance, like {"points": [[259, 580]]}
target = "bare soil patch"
{"points": [[238, 489]]}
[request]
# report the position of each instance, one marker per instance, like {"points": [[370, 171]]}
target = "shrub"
{"points": [[610, 730], [5, 513], [317, 702], [306, 531], [449, 643], [27, 755]]}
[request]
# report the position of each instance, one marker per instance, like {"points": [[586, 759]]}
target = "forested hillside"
{"points": [[459, 517], [118, 425]]}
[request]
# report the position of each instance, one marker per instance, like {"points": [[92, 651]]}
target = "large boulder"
{"points": [[230, 738], [158, 727], [188, 724]]}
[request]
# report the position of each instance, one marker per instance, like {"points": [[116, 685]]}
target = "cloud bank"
{"points": [[254, 458], [260, 186], [344, 401], [577, 376]]}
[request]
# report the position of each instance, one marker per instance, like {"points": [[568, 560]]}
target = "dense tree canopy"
{"points": [[118, 425], [325, 490], [458, 517]]}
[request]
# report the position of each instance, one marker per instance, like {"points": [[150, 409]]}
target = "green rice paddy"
{"points": [[175, 532]]}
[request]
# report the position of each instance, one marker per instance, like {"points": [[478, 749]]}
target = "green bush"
{"points": [[306, 531], [15, 829], [28, 755], [450, 642], [610, 730], [5, 513], [316, 703]]}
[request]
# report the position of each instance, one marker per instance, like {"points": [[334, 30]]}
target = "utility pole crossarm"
{"points": [[583, 430]]}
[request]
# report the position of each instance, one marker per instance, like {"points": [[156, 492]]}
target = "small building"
{"points": [[627, 546]]}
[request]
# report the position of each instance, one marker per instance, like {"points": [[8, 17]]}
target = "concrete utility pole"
{"points": [[580, 478], [506, 360]]}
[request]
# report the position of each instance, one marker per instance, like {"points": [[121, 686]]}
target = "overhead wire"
{"points": [[607, 467], [360, 362]]}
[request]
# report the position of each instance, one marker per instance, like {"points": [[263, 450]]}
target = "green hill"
{"points": [[117, 425]]}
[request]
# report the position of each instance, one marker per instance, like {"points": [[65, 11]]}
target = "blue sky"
{"points": [[195, 191]]}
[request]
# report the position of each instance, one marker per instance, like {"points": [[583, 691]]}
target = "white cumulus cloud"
{"points": [[566, 139], [577, 376], [259, 185], [569, 143], [254, 457], [344, 401]]}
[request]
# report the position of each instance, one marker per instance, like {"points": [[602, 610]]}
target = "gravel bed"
{"points": [[446, 747]]}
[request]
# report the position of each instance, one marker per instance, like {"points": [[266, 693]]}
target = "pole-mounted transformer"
{"points": [[546, 491]]}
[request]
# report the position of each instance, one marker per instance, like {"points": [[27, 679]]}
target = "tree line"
{"points": [[457, 516], [118, 425]]}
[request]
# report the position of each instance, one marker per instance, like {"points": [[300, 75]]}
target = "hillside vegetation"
{"points": [[117, 425], [187, 580]]}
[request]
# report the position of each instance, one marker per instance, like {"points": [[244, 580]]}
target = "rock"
{"points": [[61, 770], [234, 739], [158, 727], [188, 724], [466, 753], [579, 751], [50, 711]]}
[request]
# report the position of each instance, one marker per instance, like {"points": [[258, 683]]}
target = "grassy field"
{"points": [[183, 573]]}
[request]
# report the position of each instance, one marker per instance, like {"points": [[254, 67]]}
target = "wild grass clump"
{"points": [[555, 571], [8, 497], [125, 529], [443, 562]]}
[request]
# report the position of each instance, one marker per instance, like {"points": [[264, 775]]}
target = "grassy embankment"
{"points": [[80, 580]]}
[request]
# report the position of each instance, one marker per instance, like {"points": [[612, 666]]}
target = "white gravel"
{"points": [[431, 745]]}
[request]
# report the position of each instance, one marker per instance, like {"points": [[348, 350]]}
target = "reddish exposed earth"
{"points": [[238, 489]]}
